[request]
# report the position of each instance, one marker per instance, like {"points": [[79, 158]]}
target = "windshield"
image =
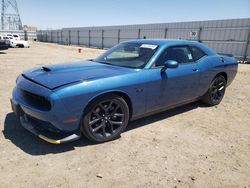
{"points": [[132, 55]]}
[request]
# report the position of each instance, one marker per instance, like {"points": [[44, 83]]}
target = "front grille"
{"points": [[37, 101]]}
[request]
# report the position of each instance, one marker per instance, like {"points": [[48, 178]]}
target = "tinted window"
{"points": [[180, 54], [197, 53]]}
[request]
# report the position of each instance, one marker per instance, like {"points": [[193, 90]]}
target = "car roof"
{"points": [[171, 42], [162, 41]]}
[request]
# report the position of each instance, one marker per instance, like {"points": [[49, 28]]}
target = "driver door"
{"points": [[173, 86]]}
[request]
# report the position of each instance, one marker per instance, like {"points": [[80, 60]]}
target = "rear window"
{"points": [[197, 53]]}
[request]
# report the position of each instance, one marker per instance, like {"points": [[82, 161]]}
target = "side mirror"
{"points": [[171, 64]]}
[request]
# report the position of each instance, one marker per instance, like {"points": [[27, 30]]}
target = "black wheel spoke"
{"points": [[97, 115], [94, 121], [109, 106], [118, 114], [116, 122], [103, 131], [102, 107], [115, 110], [98, 127], [112, 128]]}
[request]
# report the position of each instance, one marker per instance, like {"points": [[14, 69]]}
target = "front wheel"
{"points": [[105, 119], [216, 91]]}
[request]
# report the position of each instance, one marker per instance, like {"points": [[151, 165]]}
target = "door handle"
{"points": [[195, 69]]}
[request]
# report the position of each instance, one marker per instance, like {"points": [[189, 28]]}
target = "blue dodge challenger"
{"points": [[97, 98]]}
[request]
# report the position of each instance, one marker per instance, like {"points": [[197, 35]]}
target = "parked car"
{"points": [[3, 45], [12, 42], [6, 39], [19, 43], [97, 98], [14, 36]]}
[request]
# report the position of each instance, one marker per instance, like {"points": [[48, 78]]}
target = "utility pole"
{"points": [[10, 17], [2, 16]]}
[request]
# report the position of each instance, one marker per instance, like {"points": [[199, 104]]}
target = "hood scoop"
{"points": [[46, 69]]}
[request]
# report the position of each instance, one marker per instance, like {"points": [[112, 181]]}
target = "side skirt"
{"points": [[163, 109]]}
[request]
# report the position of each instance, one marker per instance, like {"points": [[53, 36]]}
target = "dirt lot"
{"points": [[191, 146]]}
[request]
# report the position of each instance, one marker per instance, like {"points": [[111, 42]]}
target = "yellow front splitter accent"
{"points": [[70, 138], [49, 139], [27, 125]]}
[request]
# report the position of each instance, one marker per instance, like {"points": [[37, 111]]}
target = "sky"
{"points": [[56, 14]]}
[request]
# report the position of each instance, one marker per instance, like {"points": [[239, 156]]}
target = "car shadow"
{"points": [[32, 145], [3, 53]]}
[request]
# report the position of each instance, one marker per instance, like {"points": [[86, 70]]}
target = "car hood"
{"points": [[55, 76]]}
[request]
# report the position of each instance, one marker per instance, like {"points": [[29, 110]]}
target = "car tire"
{"points": [[105, 118], [216, 91]]}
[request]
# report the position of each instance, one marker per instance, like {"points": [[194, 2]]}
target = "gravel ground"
{"points": [[191, 146]]}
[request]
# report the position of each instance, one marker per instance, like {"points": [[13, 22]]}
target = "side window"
{"points": [[197, 53], [181, 54]]}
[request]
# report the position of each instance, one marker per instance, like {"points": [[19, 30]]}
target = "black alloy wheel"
{"points": [[105, 119], [216, 91]]}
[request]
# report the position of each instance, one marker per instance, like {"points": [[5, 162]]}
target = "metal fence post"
{"points": [[89, 37], [69, 37], [165, 33], [199, 35], [102, 39], [25, 35], [61, 37], [78, 38], [119, 35], [139, 33], [247, 45]]}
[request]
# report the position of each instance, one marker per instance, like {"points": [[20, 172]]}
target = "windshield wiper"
{"points": [[107, 63], [104, 62]]}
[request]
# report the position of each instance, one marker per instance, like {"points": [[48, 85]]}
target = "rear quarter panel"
{"points": [[213, 65]]}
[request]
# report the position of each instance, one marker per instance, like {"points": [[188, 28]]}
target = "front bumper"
{"points": [[42, 129]]}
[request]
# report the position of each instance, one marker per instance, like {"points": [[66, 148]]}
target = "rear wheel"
{"points": [[216, 91], [105, 119]]}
